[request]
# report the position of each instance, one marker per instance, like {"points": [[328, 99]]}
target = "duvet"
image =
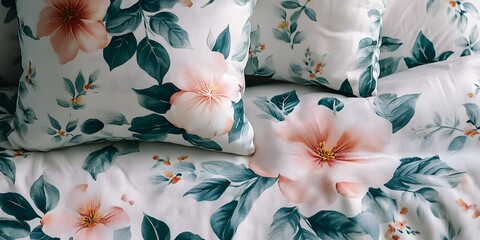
{"points": [[401, 165]]}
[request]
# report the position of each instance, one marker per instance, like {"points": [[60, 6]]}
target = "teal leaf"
{"points": [[270, 109], [291, 4], [304, 234], [286, 102], [228, 170], [390, 44], [201, 142], [38, 234], [430, 199], [153, 58], [346, 88], [92, 126], [157, 97], [13, 229], [398, 110], [473, 113], [428, 172], [221, 220], [44, 195], [122, 234], [222, 45], [368, 223], [209, 190], [127, 147], [378, 203], [124, 21], [100, 161], [16, 205], [240, 123], [188, 236], [120, 50], [7, 167], [457, 144], [299, 37], [55, 124], [72, 125], [286, 222], [281, 35], [423, 50], [388, 66], [368, 82], [80, 82], [332, 103], [69, 87], [27, 30], [241, 52], [63, 103], [335, 225], [444, 56], [311, 14], [154, 229], [150, 5], [153, 127], [115, 118], [165, 24]]}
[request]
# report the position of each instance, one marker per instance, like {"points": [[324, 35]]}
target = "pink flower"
{"points": [[85, 219], [320, 156], [203, 107], [74, 25]]}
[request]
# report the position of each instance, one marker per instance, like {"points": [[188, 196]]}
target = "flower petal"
{"points": [[316, 190], [351, 190], [91, 36], [94, 10], [64, 44], [97, 232], [48, 22], [58, 223], [115, 218]]}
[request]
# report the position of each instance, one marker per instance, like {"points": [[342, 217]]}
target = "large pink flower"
{"points": [[74, 25], [85, 218], [319, 156], [204, 105]]}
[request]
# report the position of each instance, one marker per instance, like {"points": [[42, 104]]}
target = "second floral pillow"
{"points": [[334, 43], [147, 70]]}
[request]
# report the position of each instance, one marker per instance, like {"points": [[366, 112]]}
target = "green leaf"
{"points": [[286, 223], [122, 234], [209, 190], [127, 147], [55, 124], [457, 144], [398, 110], [388, 66], [346, 88], [92, 126], [165, 24], [291, 4], [157, 97], [423, 51], [154, 229], [13, 229], [428, 172], [100, 161], [332, 103], [69, 87], [378, 203], [7, 167], [80, 82], [473, 113], [281, 35], [240, 124], [72, 125], [270, 109], [311, 14], [231, 171], [368, 82], [150, 5], [16, 205], [304, 234], [153, 127], [120, 50], [390, 44], [430, 199], [44, 195], [368, 223], [202, 142], [188, 236], [38, 234], [286, 102], [335, 225], [153, 58], [125, 21], [299, 37], [243, 48], [223, 42], [221, 221]]}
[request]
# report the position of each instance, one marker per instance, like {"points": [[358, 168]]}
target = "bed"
{"points": [[422, 182]]}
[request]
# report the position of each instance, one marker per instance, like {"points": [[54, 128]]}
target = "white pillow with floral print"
{"points": [[421, 32], [332, 43], [10, 67], [146, 70]]}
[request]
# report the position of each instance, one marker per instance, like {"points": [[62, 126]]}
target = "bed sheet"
{"points": [[402, 165]]}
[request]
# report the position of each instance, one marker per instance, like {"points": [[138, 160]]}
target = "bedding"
{"points": [[334, 43], [10, 66], [401, 165], [146, 70], [420, 32]]}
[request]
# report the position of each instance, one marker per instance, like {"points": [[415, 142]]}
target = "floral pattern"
{"points": [[114, 54], [311, 56]]}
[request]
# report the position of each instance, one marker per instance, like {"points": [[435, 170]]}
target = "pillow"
{"points": [[147, 70], [7, 109], [10, 66], [420, 32], [332, 43]]}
